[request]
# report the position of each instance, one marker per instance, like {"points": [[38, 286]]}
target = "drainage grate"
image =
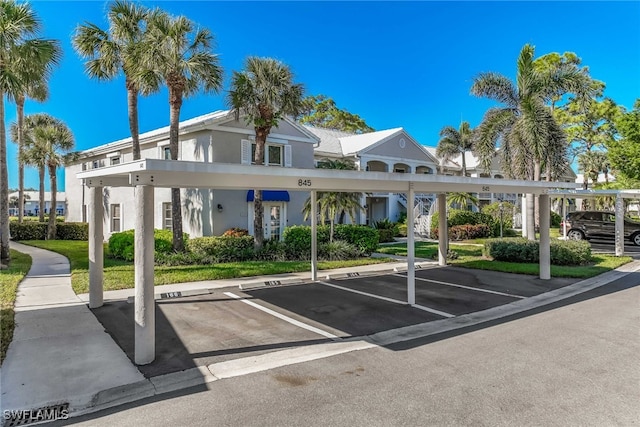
{"points": [[25, 417]]}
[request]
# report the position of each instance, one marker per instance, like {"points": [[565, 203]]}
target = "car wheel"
{"points": [[575, 235], [636, 239]]}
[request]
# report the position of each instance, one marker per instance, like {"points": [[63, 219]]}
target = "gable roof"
{"points": [[329, 139], [205, 121]]}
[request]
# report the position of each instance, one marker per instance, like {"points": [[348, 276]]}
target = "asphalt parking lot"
{"points": [[228, 323]]}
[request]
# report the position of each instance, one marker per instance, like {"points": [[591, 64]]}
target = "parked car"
{"points": [[588, 225]]}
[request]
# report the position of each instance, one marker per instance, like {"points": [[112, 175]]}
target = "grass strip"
{"points": [[9, 280]]}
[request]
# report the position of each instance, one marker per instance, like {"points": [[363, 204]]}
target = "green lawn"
{"points": [[471, 257], [120, 274], [9, 279]]}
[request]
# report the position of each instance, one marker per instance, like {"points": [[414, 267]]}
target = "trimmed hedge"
{"points": [[223, 248], [38, 230], [121, 245], [465, 232], [563, 252], [297, 238], [364, 238]]}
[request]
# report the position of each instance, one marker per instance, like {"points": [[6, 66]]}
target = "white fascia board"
{"points": [[584, 194], [189, 174], [404, 160]]}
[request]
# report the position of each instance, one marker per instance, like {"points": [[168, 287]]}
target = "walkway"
{"points": [[60, 353]]}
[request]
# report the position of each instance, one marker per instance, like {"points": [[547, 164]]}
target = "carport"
{"points": [[147, 174], [619, 195]]}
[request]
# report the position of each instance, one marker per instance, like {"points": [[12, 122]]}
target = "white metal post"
{"points": [[144, 309], [545, 241], [314, 237], [619, 225], [564, 218], [523, 215], [443, 232], [96, 248], [411, 249]]}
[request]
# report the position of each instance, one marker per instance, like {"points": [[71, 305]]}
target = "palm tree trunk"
{"points": [[464, 164], [20, 114], [175, 102], [132, 105], [41, 195], [51, 228], [331, 228], [4, 187], [258, 208]]}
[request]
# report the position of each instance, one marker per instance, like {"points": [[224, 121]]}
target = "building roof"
{"points": [[329, 139], [354, 144]]}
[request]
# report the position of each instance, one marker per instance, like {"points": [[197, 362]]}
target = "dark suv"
{"points": [[599, 225]]}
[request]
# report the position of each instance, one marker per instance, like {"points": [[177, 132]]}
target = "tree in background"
{"points": [[524, 129], [461, 200], [321, 111], [264, 92], [179, 55], [624, 153], [118, 50], [455, 143], [22, 54]]}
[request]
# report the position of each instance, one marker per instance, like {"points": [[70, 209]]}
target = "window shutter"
{"points": [[245, 156], [287, 156]]}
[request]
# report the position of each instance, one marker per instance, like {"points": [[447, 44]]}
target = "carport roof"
{"points": [[625, 194], [190, 174]]}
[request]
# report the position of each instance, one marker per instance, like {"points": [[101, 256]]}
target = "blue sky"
{"points": [[407, 64]]}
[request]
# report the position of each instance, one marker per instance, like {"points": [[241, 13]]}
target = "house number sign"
{"points": [[304, 183]]}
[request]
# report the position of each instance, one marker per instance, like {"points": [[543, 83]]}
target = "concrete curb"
{"points": [[203, 375], [175, 294], [270, 283]]}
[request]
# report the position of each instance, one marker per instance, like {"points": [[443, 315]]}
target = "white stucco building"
{"points": [[32, 203]]}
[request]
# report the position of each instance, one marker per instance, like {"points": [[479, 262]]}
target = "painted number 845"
{"points": [[304, 183]]}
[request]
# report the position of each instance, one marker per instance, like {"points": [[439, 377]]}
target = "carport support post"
{"points": [[314, 237], [545, 241], [564, 218], [619, 225], [443, 235], [96, 248], [411, 248], [144, 308]]}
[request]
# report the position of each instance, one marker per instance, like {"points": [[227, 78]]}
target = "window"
{"points": [[166, 216], [115, 218], [273, 155], [115, 161], [592, 216], [95, 164], [166, 153], [399, 170]]}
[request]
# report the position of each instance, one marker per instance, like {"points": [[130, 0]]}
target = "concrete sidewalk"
{"points": [[60, 353]]}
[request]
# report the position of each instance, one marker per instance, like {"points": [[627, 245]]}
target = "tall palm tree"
{"points": [[51, 145], [34, 151], [118, 50], [179, 55], [454, 142], [461, 199], [19, 44], [263, 92], [524, 128], [34, 75]]}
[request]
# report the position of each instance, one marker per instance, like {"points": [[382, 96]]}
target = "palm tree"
{"points": [[524, 128], [455, 142], [51, 142], [19, 45], [179, 55], [264, 92], [33, 153], [461, 199], [118, 49]]}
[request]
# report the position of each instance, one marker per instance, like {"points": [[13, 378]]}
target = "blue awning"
{"points": [[270, 196]]}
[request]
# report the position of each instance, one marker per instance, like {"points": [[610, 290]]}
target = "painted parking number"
{"points": [[356, 274], [272, 282]]}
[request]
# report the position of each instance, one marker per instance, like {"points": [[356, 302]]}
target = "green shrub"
{"points": [[364, 238], [338, 250], [28, 230], [72, 231], [563, 252], [493, 209], [121, 245], [223, 248], [468, 232], [272, 250], [297, 240], [386, 230], [555, 219], [402, 230]]}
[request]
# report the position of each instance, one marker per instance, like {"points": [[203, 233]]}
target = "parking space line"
{"points": [[363, 293], [283, 317], [433, 310], [455, 285]]}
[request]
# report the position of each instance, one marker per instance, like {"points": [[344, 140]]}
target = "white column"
{"points": [[619, 225], [523, 214], [443, 232], [564, 218], [545, 241], [96, 248], [314, 236], [411, 249], [144, 309]]}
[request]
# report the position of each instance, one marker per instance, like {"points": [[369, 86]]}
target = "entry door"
{"points": [[273, 221]]}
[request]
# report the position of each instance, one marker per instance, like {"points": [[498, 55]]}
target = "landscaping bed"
{"points": [[18, 268]]}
